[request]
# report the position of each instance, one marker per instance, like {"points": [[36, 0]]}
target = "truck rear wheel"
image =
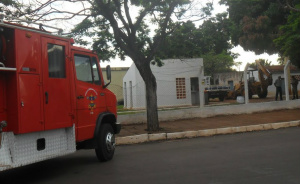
{"points": [[105, 143], [221, 98]]}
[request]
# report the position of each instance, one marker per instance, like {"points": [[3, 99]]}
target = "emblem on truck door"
{"points": [[92, 104], [91, 95]]}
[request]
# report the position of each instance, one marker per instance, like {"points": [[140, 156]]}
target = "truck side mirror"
{"points": [[108, 75], [108, 72]]}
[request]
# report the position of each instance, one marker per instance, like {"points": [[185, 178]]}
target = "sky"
{"points": [[245, 56]]}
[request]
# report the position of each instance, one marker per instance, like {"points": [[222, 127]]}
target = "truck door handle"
{"points": [[46, 96], [80, 97]]}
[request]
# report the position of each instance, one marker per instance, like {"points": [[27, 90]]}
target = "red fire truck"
{"points": [[53, 98]]}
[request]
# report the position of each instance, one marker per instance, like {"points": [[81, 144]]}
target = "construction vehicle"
{"points": [[260, 87], [53, 99]]}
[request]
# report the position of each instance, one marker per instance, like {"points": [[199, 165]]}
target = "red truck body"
{"points": [[46, 83]]}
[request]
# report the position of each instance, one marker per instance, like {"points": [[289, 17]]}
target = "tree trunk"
{"points": [[151, 96], [151, 100]]}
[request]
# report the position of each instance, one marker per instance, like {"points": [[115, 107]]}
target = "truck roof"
{"points": [[41, 30], [26, 28], [81, 49]]}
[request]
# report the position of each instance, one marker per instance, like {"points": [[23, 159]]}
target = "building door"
{"points": [[230, 83], [195, 91], [56, 84]]}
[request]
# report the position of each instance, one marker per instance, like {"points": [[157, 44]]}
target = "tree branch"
{"points": [[118, 5], [126, 7], [162, 33], [287, 5], [121, 38]]}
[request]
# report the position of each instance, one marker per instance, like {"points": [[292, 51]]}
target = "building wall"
{"points": [[166, 83], [116, 85], [223, 78], [133, 89]]}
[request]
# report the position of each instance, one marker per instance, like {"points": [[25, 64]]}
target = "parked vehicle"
{"points": [[260, 87], [215, 91], [53, 99]]}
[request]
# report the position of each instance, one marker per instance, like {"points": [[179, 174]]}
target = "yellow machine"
{"points": [[260, 87]]}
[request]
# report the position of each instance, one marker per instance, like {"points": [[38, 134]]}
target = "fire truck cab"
{"points": [[53, 98]]}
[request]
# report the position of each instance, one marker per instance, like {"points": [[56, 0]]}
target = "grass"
{"points": [[121, 110]]}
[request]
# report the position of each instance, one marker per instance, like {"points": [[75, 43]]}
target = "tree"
{"points": [[256, 23], [181, 43], [270, 26], [262, 62], [289, 40], [238, 64], [210, 41], [290, 5], [188, 41], [216, 63], [133, 38], [119, 27]]}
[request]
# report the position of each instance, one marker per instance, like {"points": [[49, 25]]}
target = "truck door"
{"points": [[56, 84], [89, 93]]}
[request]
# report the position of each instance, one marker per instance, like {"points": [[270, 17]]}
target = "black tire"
{"points": [[105, 143], [221, 98], [263, 94], [250, 95]]}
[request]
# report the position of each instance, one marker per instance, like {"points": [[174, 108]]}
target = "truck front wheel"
{"points": [[105, 143]]}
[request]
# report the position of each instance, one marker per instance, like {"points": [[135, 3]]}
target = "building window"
{"points": [[180, 88]]}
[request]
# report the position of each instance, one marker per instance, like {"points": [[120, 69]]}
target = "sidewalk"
{"points": [[210, 126]]}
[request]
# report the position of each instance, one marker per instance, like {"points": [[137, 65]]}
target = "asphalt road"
{"points": [[259, 157]]}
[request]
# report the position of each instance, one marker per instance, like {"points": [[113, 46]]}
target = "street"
{"points": [[257, 157]]}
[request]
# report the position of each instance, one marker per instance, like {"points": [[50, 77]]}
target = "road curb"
{"points": [[135, 139], [228, 130], [142, 138], [252, 128], [157, 137]]}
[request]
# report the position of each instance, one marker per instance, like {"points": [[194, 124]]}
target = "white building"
{"points": [[177, 84]]}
